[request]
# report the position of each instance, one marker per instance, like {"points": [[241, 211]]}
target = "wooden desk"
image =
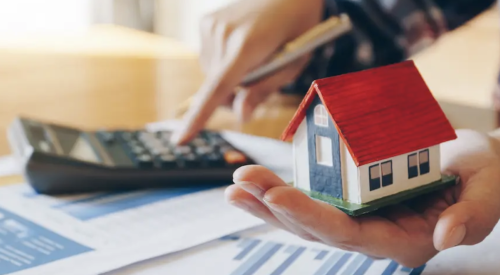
{"points": [[108, 77], [115, 77], [461, 70]]}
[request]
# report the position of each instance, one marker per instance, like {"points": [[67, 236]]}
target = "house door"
{"points": [[324, 156]]}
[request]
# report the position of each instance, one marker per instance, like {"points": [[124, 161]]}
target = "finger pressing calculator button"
{"points": [[234, 157]]}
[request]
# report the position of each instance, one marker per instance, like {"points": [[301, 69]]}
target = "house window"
{"points": [[374, 177], [324, 153], [418, 163], [423, 158], [387, 173], [320, 116], [412, 166]]}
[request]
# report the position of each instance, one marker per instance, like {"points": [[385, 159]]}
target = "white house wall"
{"points": [[400, 176], [301, 157], [350, 181]]}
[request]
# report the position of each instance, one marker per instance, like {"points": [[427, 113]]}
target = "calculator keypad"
{"points": [[148, 150]]}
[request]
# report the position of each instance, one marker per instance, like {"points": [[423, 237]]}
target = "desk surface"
{"points": [[116, 77]]}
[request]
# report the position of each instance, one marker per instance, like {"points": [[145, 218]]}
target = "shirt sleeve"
{"points": [[384, 32]]}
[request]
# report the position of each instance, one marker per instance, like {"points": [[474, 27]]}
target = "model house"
{"points": [[367, 135]]}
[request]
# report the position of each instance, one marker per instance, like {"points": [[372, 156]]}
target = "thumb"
{"points": [[477, 209], [474, 216]]}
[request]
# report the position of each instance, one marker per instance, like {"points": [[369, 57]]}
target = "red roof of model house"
{"points": [[379, 113]]}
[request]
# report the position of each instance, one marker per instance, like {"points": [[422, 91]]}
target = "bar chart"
{"points": [[255, 253], [267, 251]]}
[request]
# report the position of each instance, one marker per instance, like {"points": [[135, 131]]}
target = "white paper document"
{"points": [[268, 251], [128, 226], [8, 166], [96, 233]]}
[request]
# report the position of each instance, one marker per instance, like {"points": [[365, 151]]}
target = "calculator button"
{"points": [[154, 144], [137, 150], [190, 160], [168, 160], [107, 137], [160, 150], [234, 157], [215, 160], [199, 142], [144, 158], [145, 161], [204, 150], [183, 150], [216, 139], [127, 136], [146, 136]]}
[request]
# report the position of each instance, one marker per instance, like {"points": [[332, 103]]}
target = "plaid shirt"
{"points": [[385, 32]]}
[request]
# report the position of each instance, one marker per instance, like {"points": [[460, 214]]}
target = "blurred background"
{"points": [[123, 63], [178, 19]]}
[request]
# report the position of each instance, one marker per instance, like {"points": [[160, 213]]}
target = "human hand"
{"points": [[409, 233], [236, 40]]}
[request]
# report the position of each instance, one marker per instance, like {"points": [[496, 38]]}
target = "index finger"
{"points": [[213, 91]]}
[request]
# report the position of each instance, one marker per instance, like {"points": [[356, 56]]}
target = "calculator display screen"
{"points": [[75, 145]]}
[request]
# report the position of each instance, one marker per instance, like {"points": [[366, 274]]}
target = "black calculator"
{"points": [[58, 159]]}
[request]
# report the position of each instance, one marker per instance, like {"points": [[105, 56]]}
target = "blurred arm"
{"points": [[385, 32]]}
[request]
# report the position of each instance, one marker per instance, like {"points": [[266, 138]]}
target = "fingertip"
{"points": [[450, 230], [181, 136], [231, 193], [175, 138], [446, 238], [248, 173], [238, 197]]}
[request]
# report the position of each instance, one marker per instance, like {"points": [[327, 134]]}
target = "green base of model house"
{"points": [[354, 209]]}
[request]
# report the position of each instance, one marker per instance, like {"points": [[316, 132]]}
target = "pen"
{"points": [[304, 44]]}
